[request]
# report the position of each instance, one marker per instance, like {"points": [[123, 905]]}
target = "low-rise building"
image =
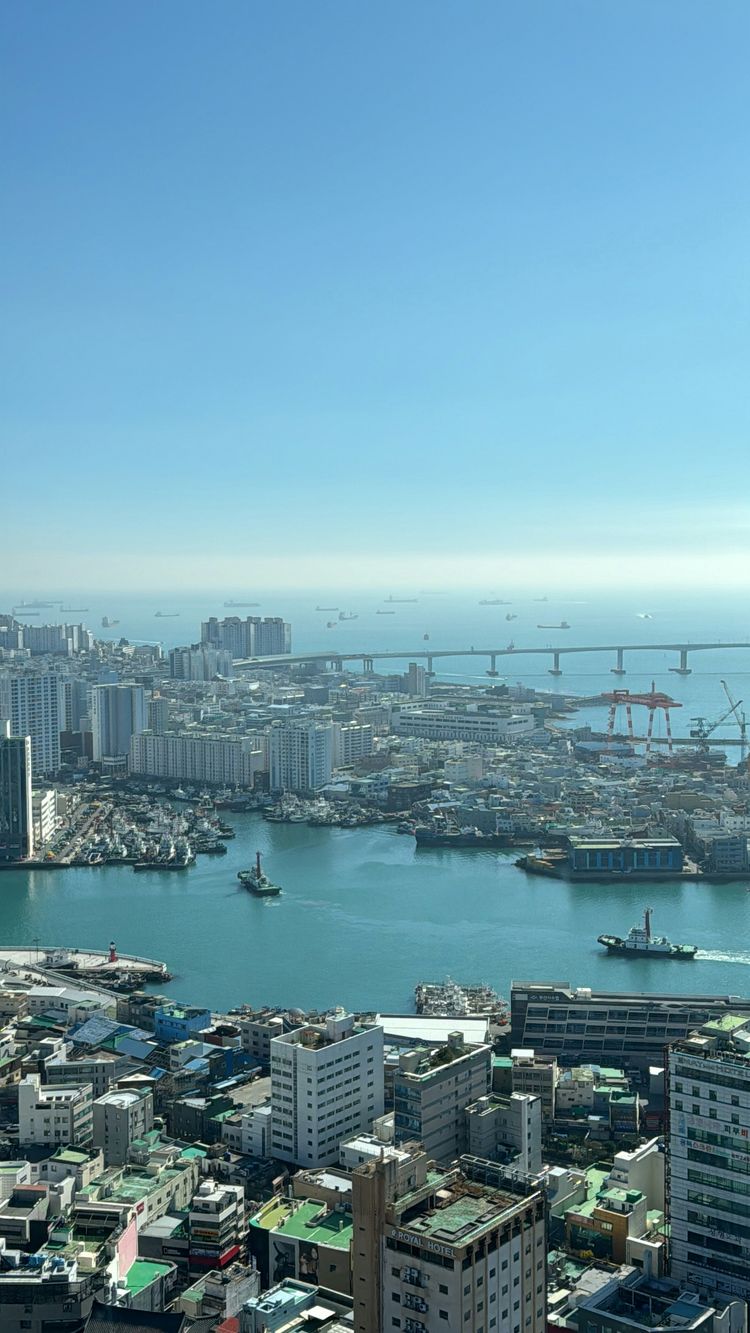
{"points": [[507, 1130], [53, 1116], [119, 1118]]}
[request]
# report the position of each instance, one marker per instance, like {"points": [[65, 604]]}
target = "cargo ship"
{"points": [[562, 625], [494, 601], [232, 602], [257, 881], [640, 942]]}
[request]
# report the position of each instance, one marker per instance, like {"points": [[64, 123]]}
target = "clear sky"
{"points": [[322, 291]]}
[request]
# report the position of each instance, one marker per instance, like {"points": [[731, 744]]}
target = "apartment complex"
{"points": [[432, 1089], [201, 662], [250, 636], [219, 760], [326, 1085], [16, 813], [708, 1157], [460, 1249], [582, 1026]]}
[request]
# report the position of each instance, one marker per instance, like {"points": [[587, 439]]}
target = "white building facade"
{"points": [[300, 756], [326, 1085]]}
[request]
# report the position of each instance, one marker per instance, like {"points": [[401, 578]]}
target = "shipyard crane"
{"points": [[740, 719], [704, 729]]}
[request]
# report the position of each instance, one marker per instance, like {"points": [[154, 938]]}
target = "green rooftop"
{"points": [[502, 1062], [297, 1218], [463, 1218], [193, 1152], [143, 1272], [726, 1024]]}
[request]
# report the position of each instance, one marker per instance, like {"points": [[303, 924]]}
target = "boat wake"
{"points": [[719, 956]]}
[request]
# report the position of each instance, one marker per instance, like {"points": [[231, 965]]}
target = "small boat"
{"points": [[510, 647], [257, 881], [640, 942], [425, 637], [511, 616]]}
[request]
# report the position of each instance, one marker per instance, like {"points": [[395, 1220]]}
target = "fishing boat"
{"points": [[640, 942], [256, 881]]}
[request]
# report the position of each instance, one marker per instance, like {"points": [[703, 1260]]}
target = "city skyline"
{"points": [[317, 292]]}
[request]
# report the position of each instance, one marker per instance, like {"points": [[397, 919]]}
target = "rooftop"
{"points": [[469, 1210], [143, 1272], [307, 1219]]}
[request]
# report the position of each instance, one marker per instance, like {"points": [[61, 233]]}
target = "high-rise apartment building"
{"points": [[300, 756], [248, 637], [158, 714], [708, 1157], [435, 1251], [326, 1085], [34, 704], [118, 712], [351, 741], [432, 1089], [201, 662], [16, 814]]}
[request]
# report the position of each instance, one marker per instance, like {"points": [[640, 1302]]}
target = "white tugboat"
{"points": [[640, 942]]}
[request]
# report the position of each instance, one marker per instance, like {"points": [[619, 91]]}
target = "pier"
{"points": [[556, 653]]}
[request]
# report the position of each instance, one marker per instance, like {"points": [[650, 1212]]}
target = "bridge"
{"points": [[430, 655]]}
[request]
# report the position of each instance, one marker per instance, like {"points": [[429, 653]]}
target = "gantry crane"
{"points": [[740, 720]]}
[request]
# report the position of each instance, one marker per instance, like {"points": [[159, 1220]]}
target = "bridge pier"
{"points": [[368, 666], [683, 669], [430, 671], [493, 665], [337, 664], [555, 668], [618, 669]]}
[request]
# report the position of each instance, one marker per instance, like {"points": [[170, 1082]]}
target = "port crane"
{"points": [[703, 729], [740, 720]]}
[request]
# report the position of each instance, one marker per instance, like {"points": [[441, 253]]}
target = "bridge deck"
{"points": [[331, 654]]}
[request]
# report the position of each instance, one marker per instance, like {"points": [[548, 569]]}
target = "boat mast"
{"points": [[257, 861], [647, 922]]}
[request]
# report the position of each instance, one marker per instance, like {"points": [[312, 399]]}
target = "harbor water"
{"points": [[364, 915]]}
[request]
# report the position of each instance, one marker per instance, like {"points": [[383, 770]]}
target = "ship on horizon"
{"points": [[401, 600], [232, 602], [563, 624]]}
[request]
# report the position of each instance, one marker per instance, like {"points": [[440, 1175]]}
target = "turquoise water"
{"points": [[364, 915]]}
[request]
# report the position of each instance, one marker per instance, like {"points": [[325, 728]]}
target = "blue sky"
{"points": [[389, 289]]}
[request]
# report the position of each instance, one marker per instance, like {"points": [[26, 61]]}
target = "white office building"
{"points": [[53, 1116], [16, 817], [118, 712], [447, 724], [34, 704], [326, 1085], [432, 1089], [300, 756], [708, 1157]]}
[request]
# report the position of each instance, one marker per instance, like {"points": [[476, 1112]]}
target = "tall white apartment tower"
{"points": [[300, 756], [117, 713], [16, 819], [34, 704], [326, 1085], [708, 1158]]}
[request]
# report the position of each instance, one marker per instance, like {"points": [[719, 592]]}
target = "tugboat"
{"points": [[257, 881], [641, 943]]}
